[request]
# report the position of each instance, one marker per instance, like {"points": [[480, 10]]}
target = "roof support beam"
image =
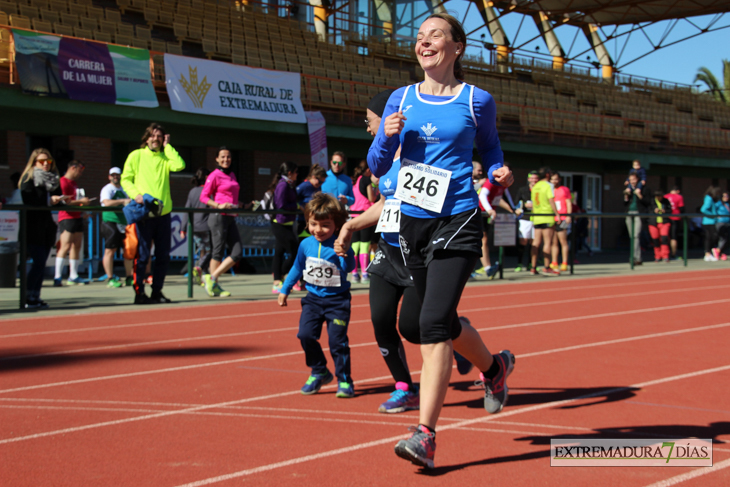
{"points": [[499, 36], [551, 40], [382, 10], [321, 14], [604, 58]]}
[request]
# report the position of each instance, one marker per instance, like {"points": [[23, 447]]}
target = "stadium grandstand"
{"points": [[586, 120]]}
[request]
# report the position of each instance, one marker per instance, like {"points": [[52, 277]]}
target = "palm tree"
{"points": [[719, 92]]}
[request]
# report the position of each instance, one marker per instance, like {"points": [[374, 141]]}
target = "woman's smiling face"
{"points": [[435, 46]]}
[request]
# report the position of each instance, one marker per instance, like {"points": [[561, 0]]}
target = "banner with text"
{"points": [[229, 90], [75, 69], [317, 138]]}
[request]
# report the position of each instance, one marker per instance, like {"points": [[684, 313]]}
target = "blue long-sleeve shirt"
{"points": [[708, 208], [448, 141], [339, 184], [311, 247]]}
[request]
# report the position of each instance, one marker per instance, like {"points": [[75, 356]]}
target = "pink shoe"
{"points": [[716, 253], [296, 287], [723, 257]]}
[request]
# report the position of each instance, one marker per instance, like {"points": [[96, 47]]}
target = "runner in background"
{"points": [[114, 227], [543, 203], [365, 195], [201, 232], [71, 225], [564, 205], [526, 228]]}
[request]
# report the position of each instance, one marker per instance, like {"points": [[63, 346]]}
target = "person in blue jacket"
{"points": [[437, 123], [338, 183], [722, 209], [709, 208], [328, 298]]}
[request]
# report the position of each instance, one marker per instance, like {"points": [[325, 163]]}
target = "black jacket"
{"points": [[40, 227], [666, 208], [644, 202]]}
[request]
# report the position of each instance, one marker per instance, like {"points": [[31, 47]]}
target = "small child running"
{"points": [[328, 298]]}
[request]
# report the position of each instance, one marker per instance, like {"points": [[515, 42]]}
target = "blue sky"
{"points": [[678, 63]]}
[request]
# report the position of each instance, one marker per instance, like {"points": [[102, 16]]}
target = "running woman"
{"points": [[365, 196], [436, 123], [221, 192]]}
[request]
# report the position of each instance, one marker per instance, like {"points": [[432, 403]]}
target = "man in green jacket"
{"points": [[147, 171]]}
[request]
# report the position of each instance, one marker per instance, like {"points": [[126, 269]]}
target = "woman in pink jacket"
{"points": [[221, 191]]}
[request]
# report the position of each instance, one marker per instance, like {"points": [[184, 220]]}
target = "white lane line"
{"points": [[460, 424], [272, 313], [287, 354], [692, 475], [231, 403], [275, 330]]}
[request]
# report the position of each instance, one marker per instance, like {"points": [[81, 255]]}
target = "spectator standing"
{"points": [[636, 202], [114, 227], [543, 203], [709, 208], [221, 192], [39, 185], [677, 201], [564, 205], [526, 227], [316, 177], [285, 198], [147, 172], [723, 224], [365, 196], [490, 195], [659, 226], [71, 224], [338, 184], [201, 232]]}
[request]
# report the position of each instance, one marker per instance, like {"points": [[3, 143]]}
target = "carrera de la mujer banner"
{"points": [[64, 67], [229, 90]]}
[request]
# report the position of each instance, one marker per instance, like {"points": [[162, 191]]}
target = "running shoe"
{"points": [[315, 383], [496, 391], [57, 283], [492, 271], [533, 272], [76, 281], [197, 275], [419, 449], [114, 282], [710, 258], [563, 267], [218, 290], [276, 289], [345, 390], [481, 272], [129, 281], [36, 304], [365, 279], [554, 266], [723, 257], [716, 253], [158, 298], [401, 400], [142, 298], [355, 278], [462, 364], [296, 287], [550, 272], [519, 268], [209, 285]]}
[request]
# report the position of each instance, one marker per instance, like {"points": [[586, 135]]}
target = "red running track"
{"points": [[170, 396]]}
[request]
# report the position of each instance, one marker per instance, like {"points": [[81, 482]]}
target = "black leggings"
{"points": [[384, 298], [710, 237], [439, 288], [287, 242], [224, 234]]}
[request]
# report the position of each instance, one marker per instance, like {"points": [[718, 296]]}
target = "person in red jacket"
{"points": [[71, 225]]}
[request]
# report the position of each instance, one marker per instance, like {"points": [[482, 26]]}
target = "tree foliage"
{"points": [[720, 92]]}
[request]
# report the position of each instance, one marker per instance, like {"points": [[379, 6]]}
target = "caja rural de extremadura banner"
{"points": [[81, 70], [228, 90]]}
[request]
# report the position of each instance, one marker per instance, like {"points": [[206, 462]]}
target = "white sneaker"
{"points": [[710, 258]]}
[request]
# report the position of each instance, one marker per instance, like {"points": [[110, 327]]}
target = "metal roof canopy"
{"points": [[615, 12]]}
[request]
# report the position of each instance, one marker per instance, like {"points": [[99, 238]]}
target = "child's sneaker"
{"points": [[496, 391], [315, 383], [401, 400], [345, 390], [276, 289], [209, 285], [114, 282], [419, 449]]}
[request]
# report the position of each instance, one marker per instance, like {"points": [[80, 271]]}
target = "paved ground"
{"points": [[97, 297]]}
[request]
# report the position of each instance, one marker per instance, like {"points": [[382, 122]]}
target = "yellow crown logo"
{"points": [[196, 91]]}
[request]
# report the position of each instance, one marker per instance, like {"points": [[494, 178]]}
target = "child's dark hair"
{"points": [[324, 206]]}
